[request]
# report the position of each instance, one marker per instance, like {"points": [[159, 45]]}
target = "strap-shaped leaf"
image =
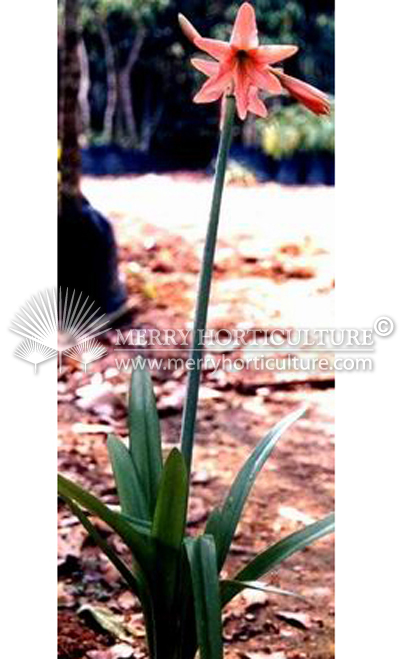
{"points": [[269, 559], [168, 531], [223, 526], [170, 514], [144, 434], [141, 525], [131, 496], [187, 639], [202, 556], [140, 546], [136, 581], [230, 588], [214, 524], [129, 577]]}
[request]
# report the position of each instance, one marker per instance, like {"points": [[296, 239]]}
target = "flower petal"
{"points": [[310, 96], [264, 79], [205, 66], [187, 28], [255, 104], [214, 87], [271, 54], [242, 84], [244, 34], [214, 47], [204, 95]]}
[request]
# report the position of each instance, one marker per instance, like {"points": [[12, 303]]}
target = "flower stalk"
{"points": [[203, 295]]}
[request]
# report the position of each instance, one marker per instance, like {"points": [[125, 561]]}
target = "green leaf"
{"points": [[223, 526], [170, 514], [214, 523], [104, 546], [131, 497], [269, 559], [140, 546], [144, 435], [168, 531], [230, 588], [187, 635], [202, 556], [143, 526]]}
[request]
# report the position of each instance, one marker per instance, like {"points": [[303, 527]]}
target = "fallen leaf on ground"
{"points": [[207, 393], [126, 601], [99, 398], [197, 511], [295, 515], [173, 401], [65, 599], [109, 622], [91, 429], [263, 655], [120, 651], [300, 620], [254, 598], [201, 477]]}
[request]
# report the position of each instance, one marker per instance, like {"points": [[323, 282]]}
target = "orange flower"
{"points": [[242, 68]]}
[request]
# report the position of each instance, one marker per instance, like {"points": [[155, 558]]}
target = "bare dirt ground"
{"points": [[274, 269]]}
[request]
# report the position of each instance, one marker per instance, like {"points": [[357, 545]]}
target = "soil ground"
{"points": [[274, 269]]}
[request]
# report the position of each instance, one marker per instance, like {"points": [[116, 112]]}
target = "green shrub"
{"points": [[294, 129]]}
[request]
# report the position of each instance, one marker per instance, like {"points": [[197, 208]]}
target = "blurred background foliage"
{"points": [[137, 82], [294, 129]]}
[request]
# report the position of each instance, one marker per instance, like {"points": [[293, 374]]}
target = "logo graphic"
{"points": [[54, 322], [87, 352], [34, 352]]}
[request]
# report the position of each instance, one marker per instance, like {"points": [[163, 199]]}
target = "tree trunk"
{"points": [[109, 115], [70, 75], [87, 252], [151, 119], [84, 89], [125, 90], [60, 55]]}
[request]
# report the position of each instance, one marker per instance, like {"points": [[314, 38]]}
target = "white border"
{"points": [[367, 271], [28, 117], [368, 245]]}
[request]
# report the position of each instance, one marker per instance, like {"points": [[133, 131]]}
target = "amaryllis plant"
{"points": [[177, 576]]}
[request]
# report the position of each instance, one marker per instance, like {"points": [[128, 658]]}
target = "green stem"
{"points": [[203, 295]]}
